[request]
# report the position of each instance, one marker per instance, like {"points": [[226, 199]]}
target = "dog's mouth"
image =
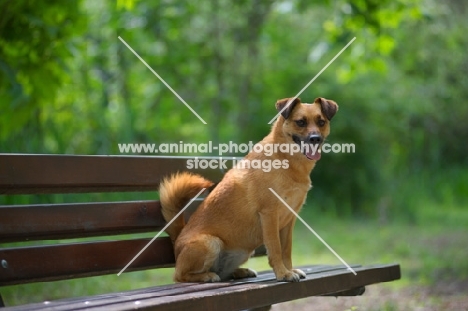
{"points": [[310, 150], [313, 153]]}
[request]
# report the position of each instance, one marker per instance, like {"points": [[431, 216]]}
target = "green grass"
{"points": [[428, 252]]}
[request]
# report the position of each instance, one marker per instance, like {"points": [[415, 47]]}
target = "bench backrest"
{"points": [[54, 174]]}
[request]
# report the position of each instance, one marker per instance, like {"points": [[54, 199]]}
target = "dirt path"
{"points": [[442, 297]]}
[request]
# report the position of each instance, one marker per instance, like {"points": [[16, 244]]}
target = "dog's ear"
{"points": [[281, 104], [328, 107]]}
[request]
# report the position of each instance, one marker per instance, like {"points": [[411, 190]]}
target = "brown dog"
{"points": [[241, 213]]}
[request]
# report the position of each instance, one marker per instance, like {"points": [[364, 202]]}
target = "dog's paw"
{"points": [[210, 277], [241, 273], [299, 272], [289, 276], [207, 277]]}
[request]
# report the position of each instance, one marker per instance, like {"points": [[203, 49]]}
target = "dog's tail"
{"points": [[174, 193]]}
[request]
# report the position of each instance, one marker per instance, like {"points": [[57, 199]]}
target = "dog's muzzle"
{"points": [[310, 146], [315, 139]]}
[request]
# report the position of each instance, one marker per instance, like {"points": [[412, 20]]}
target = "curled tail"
{"points": [[175, 192]]}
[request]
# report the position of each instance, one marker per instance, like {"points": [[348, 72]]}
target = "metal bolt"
{"points": [[4, 264]]}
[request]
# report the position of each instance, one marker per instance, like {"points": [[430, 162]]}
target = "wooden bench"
{"points": [[55, 174]]}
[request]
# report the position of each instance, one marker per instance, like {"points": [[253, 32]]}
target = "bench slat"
{"points": [[170, 290], [31, 174], [66, 261], [254, 295], [248, 293], [63, 221], [85, 259]]}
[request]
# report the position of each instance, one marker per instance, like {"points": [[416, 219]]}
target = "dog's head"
{"points": [[307, 124]]}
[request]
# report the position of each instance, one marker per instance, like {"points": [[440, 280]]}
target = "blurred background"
{"points": [[68, 85]]}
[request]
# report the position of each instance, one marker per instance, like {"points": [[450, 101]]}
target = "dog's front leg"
{"points": [[286, 246], [271, 239]]}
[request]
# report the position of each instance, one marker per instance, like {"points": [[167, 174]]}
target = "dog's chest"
{"points": [[293, 191], [295, 200]]}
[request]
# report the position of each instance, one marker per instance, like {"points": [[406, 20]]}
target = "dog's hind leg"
{"points": [[227, 266], [241, 273], [196, 259]]}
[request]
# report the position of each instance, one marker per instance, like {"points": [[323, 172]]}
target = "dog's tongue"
{"points": [[311, 156]]}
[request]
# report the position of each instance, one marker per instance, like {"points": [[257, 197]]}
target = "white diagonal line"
{"points": [[313, 79], [162, 230], [313, 231], [162, 80]]}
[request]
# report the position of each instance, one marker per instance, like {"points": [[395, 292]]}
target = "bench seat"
{"points": [[257, 292]]}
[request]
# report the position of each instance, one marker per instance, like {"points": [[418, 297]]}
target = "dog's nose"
{"points": [[315, 139]]}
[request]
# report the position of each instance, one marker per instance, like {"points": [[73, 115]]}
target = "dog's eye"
{"points": [[320, 123], [301, 123]]}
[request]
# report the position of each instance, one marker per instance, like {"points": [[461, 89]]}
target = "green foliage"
{"points": [[35, 40]]}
